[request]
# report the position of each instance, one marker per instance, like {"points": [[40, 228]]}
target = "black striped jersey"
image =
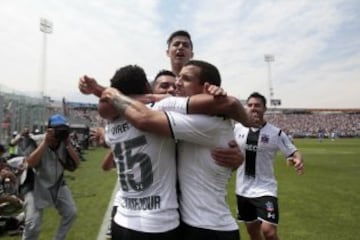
{"points": [[255, 177]]}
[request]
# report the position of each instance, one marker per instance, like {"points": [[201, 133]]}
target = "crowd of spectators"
{"points": [[88, 116], [309, 125], [298, 125]]}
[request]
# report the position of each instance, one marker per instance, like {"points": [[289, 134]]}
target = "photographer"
{"points": [[49, 161], [23, 143]]}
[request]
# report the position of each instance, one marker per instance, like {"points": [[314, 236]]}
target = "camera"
{"points": [[61, 133]]}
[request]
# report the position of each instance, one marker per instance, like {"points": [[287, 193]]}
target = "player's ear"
{"points": [[205, 87]]}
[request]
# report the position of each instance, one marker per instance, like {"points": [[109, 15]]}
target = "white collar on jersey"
{"points": [[257, 129]]}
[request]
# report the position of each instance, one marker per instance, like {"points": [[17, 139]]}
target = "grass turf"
{"points": [[320, 205]]}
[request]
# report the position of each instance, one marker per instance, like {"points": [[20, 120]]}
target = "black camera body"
{"points": [[61, 132]]}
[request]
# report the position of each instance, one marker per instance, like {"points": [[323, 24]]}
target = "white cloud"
{"points": [[314, 55]]}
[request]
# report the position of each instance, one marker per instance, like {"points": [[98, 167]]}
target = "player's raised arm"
{"points": [[223, 105], [88, 85], [139, 115], [215, 101], [162, 123]]}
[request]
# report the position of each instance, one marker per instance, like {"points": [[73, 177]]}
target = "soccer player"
{"points": [[147, 202], [164, 83], [256, 187], [180, 50], [203, 208], [91, 86]]}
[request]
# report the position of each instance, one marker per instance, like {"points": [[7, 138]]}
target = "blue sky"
{"points": [[316, 45]]}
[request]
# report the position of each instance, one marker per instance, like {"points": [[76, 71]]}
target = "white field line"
{"points": [[106, 219]]}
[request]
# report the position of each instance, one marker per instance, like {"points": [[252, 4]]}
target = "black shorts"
{"points": [[194, 233], [119, 232], [262, 208]]}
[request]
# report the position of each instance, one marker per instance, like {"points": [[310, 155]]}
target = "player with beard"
{"points": [[256, 186]]}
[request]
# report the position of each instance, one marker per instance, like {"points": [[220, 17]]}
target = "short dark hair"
{"points": [[259, 96], [164, 72], [130, 79], [181, 33], [209, 73]]}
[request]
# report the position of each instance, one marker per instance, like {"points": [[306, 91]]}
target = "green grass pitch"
{"points": [[322, 204]]}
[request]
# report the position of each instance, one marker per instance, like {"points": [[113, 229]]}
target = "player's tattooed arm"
{"points": [[121, 102], [139, 115]]}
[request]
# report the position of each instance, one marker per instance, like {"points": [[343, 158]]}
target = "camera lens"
{"points": [[61, 133]]}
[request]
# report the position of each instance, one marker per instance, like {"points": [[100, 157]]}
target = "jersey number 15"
{"points": [[129, 162]]}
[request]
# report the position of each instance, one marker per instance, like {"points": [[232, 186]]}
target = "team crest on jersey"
{"points": [[264, 138], [241, 135], [269, 206]]}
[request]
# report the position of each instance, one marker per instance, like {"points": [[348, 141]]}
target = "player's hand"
{"points": [[231, 157], [297, 164], [87, 85], [98, 135], [214, 90]]}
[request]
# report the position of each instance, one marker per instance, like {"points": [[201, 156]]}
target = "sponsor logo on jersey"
{"points": [[120, 128], [138, 204], [251, 147]]}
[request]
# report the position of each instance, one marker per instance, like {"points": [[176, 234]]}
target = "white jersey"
{"points": [[255, 178], [145, 163], [202, 182]]}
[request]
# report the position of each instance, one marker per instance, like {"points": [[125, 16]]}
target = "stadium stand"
{"points": [[308, 122], [18, 111]]}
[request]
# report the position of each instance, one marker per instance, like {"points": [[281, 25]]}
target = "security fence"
{"points": [[18, 111]]}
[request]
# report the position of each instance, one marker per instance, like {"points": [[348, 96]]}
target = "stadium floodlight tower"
{"points": [[46, 27], [270, 58]]}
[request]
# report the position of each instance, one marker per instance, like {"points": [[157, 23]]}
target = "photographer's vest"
{"points": [[12, 150]]}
